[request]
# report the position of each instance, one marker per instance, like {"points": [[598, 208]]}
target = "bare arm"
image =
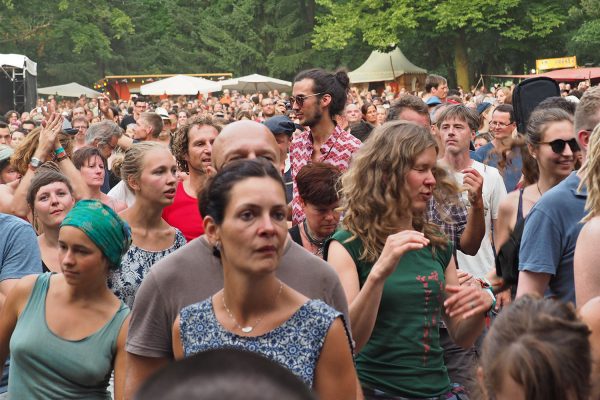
{"points": [[139, 369], [587, 262], [465, 309], [335, 376], [177, 345], [532, 282], [5, 287], [504, 225], [364, 303], [120, 360]]}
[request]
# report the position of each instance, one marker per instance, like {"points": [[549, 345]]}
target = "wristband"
{"points": [[61, 156], [59, 150], [491, 293]]}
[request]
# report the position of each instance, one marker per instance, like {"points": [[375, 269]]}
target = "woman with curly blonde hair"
{"points": [[397, 269], [587, 252]]}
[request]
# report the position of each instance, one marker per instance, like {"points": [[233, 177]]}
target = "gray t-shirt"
{"points": [[192, 274]]}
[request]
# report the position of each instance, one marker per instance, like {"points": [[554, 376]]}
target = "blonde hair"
{"points": [[590, 176], [374, 196], [22, 156], [133, 162]]}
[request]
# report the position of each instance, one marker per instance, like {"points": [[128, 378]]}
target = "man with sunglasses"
{"points": [[553, 224], [317, 97], [27, 126], [502, 127]]}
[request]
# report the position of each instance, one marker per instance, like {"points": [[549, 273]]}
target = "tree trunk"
{"points": [[461, 62]]}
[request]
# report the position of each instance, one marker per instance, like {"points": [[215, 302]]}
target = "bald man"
{"points": [[193, 274], [245, 140]]}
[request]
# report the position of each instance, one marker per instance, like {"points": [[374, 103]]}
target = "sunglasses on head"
{"points": [[300, 98], [558, 145]]}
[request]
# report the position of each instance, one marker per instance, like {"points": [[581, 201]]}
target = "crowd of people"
{"points": [[359, 243]]}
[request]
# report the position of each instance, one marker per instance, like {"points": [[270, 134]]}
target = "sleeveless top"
{"points": [[296, 344], [520, 207], [135, 264], [46, 366]]}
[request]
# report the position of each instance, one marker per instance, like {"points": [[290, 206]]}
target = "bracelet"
{"points": [[61, 156], [491, 293], [59, 150]]}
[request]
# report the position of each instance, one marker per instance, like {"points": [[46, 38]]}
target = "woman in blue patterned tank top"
{"points": [[245, 219]]}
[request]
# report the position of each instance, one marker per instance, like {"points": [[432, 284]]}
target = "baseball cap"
{"points": [[281, 124], [5, 152], [162, 112], [433, 101]]}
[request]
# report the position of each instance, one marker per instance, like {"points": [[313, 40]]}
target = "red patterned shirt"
{"points": [[337, 150]]}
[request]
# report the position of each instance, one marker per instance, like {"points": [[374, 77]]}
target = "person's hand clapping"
{"points": [[395, 247], [466, 301], [48, 137]]}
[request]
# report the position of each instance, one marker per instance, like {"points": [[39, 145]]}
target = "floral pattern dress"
{"points": [[135, 265], [296, 344]]}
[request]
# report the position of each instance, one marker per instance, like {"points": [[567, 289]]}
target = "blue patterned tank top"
{"points": [[296, 344]]}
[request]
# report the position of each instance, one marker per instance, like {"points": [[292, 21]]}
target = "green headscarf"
{"points": [[103, 226]]}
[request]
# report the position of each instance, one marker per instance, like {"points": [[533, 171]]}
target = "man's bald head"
{"points": [[245, 140]]}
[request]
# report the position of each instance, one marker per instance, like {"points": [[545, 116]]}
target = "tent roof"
{"points": [[562, 75], [18, 61], [72, 89], [256, 83], [384, 67], [180, 85]]}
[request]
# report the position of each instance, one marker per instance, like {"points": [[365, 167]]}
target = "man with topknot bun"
{"points": [[317, 97]]}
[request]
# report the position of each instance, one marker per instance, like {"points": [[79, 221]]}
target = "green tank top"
{"points": [[45, 366], [403, 356]]}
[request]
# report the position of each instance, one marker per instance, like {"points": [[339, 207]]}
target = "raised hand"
{"points": [[395, 247], [473, 183]]}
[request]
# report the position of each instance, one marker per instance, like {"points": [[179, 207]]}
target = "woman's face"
{"points": [[479, 142], [16, 138], [322, 220], [254, 228], [158, 178], [557, 165], [52, 203], [371, 115], [420, 181], [80, 259], [500, 96], [92, 171], [181, 118]]}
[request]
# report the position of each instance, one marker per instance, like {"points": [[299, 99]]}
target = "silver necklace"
{"points": [[248, 329]]}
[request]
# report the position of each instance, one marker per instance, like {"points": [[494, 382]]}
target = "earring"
{"points": [[217, 249]]}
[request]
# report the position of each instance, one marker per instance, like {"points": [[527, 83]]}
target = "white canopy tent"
{"points": [[384, 67], [256, 83], [19, 61], [18, 83], [72, 89], [180, 85]]}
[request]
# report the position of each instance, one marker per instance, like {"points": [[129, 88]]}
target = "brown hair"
{"points": [[133, 162], [22, 156], [82, 155], [407, 102], [317, 183], [155, 122], [460, 112], [374, 195], [543, 346], [181, 138], [46, 175]]}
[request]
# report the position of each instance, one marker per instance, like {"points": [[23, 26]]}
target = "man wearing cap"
{"points": [[164, 136], [7, 172], [192, 148], [283, 128]]}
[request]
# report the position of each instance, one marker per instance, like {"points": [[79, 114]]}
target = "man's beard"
{"points": [[315, 119]]}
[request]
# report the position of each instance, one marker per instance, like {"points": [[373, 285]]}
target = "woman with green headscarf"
{"points": [[66, 331]]}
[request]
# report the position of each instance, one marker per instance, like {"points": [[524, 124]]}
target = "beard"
{"points": [[314, 120]]}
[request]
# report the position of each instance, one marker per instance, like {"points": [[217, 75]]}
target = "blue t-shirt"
{"points": [[551, 230], [513, 169], [19, 256]]}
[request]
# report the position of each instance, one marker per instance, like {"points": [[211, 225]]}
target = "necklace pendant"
{"points": [[247, 329]]}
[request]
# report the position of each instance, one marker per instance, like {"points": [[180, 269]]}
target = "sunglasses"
{"points": [[558, 145], [300, 98]]}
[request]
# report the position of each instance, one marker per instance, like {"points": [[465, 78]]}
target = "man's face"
{"points": [[5, 137], [283, 141], [307, 106], [106, 149], [142, 130], [442, 91], [78, 112], [268, 108], [166, 125], [456, 135], [353, 113], [500, 125], [28, 127], [82, 127], [199, 152], [140, 107], [245, 140], [413, 116]]}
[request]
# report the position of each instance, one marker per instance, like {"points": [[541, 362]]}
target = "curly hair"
{"points": [[590, 176], [181, 139], [374, 194], [22, 156]]}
